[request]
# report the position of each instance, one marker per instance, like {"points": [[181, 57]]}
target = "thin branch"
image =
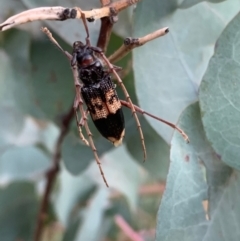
{"points": [[106, 27], [105, 33], [143, 112], [42, 13], [51, 175], [127, 229], [131, 43], [61, 13]]}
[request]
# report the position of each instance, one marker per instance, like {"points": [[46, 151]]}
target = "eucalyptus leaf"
{"points": [[121, 172], [190, 3], [52, 79], [76, 155], [15, 82], [9, 127], [157, 162], [91, 225], [23, 162], [10, 8], [168, 70], [81, 186], [18, 209], [70, 233], [123, 26], [197, 174], [220, 96]]}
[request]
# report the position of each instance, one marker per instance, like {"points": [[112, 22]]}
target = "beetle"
{"points": [[99, 93]]}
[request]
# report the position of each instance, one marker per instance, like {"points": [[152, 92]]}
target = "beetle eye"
{"points": [[77, 44], [87, 60]]}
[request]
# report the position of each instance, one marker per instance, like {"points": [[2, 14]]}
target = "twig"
{"points": [[51, 174], [125, 227], [106, 27], [143, 112], [61, 13], [131, 43]]}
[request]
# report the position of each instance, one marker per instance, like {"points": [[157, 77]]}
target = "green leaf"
{"points": [[124, 24], [22, 162], [11, 124], [196, 174], [169, 70], [190, 3], [18, 209], [15, 83], [70, 233], [91, 226], [121, 172], [76, 155], [158, 150], [81, 186], [19, 158], [181, 212], [220, 96], [10, 8], [51, 79], [225, 212]]}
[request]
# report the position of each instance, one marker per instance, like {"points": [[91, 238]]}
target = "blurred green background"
{"points": [[163, 77]]}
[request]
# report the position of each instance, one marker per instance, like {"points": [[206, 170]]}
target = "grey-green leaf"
{"points": [[15, 82], [91, 226], [220, 96], [23, 162], [81, 186], [10, 8], [52, 79], [10, 129], [168, 70], [76, 155], [197, 174], [157, 162], [121, 172], [190, 3], [18, 209]]}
